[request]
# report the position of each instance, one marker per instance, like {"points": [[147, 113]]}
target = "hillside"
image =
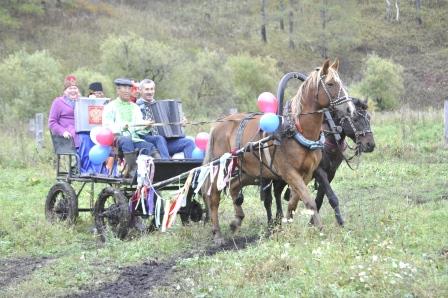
{"points": [[73, 32]]}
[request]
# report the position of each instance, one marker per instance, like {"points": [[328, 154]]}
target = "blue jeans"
{"points": [[126, 145], [184, 145], [160, 144]]}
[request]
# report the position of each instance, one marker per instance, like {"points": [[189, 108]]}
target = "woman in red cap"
{"points": [[61, 122]]}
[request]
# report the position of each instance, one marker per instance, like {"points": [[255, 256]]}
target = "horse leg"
{"points": [[213, 205], [236, 185], [325, 187], [266, 196], [279, 185], [319, 199], [300, 190]]}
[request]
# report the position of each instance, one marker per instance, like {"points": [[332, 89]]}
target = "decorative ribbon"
{"points": [[221, 182], [173, 206], [203, 174]]}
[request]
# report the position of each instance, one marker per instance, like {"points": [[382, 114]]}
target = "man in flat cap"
{"points": [[96, 90], [124, 118]]}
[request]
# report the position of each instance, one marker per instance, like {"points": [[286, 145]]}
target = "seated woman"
{"points": [[61, 121]]}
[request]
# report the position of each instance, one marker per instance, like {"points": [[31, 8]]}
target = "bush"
{"points": [[382, 82], [251, 76], [203, 85], [134, 57], [29, 84]]}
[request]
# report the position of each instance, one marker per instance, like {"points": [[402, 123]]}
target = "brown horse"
{"points": [[284, 158]]}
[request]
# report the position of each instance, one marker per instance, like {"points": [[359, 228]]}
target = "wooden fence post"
{"points": [[39, 129], [446, 120]]}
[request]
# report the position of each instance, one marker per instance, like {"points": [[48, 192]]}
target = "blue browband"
{"points": [[311, 145]]}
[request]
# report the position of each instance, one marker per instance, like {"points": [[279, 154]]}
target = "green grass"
{"points": [[394, 243]]}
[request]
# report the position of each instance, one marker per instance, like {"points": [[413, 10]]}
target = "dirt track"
{"points": [[17, 270], [137, 281]]}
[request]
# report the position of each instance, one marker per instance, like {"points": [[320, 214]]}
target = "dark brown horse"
{"points": [[285, 158], [357, 128]]}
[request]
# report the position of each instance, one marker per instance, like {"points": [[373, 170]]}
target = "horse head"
{"points": [[329, 89], [322, 89], [357, 127]]}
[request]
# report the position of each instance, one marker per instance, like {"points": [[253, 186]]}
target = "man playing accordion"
{"points": [[171, 145]]}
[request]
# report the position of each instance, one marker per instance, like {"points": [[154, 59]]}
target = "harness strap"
{"points": [[242, 127], [262, 163]]}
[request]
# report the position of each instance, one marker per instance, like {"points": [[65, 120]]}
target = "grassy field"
{"points": [[395, 241]]}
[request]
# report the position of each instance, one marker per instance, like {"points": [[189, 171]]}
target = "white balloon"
{"points": [[93, 134]]}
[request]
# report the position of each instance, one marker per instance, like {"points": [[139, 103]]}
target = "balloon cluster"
{"points": [[268, 104], [103, 139], [201, 142]]}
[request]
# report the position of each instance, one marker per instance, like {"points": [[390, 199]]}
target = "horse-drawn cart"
{"points": [[112, 208]]}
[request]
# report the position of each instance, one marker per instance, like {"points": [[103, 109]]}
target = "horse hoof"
{"points": [[219, 241], [234, 225], [287, 220]]}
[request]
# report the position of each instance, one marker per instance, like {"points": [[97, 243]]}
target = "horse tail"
{"points": [[208, 153], [207, 183]]}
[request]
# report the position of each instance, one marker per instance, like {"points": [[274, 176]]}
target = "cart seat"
{"points": [[65, 147]]}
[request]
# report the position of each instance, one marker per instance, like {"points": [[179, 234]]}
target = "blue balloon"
{"points": [[269, 122], [197, 153], [98, 154]]}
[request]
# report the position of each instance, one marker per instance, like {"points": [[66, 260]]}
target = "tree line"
{"points": [[209, 83]]}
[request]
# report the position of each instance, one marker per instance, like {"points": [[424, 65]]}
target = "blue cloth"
{"points": [[160, 143], [86, 167], [184, 145], [126, 145]]}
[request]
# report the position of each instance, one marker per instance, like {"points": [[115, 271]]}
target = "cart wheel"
{"points": [[112, 213], [61, 203]]}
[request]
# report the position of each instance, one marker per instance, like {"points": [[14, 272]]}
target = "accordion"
{"points": [[169, 113]]}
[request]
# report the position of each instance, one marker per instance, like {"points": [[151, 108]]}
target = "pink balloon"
{"points": [[105, 137], [201, 140], [267, 103]]}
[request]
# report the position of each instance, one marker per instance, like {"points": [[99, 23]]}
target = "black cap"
{"points": [[123, 82], [95, 86]]}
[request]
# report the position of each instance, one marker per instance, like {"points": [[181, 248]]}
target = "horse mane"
{"points": [[296, 101], [313, 82]]}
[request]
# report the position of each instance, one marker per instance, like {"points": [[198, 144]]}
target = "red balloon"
{"points": [[267, 103], [105, 137], [201, 140]]}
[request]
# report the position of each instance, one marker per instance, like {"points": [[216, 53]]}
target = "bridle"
{"points": [[337, 100], [365, 130], [334, 101], [364, 119]]}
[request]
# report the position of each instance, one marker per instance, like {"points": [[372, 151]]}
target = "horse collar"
{"points": [[308, 144]]}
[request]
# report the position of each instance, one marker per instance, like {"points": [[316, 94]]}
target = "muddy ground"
{"points": [[17, 270], [133, 281]]}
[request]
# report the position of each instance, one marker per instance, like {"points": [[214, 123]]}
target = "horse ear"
{"points": [[335, 64], [366, 102], [325, 67]]}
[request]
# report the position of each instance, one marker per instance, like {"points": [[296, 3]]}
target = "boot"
{"points": [[155, 154], [131, 165]]}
